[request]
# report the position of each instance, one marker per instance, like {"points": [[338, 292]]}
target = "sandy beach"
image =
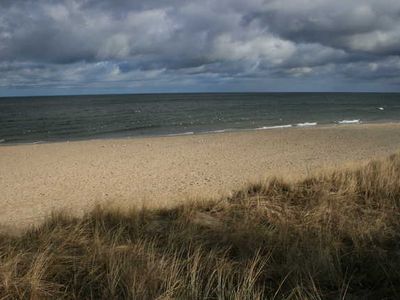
{"points": [[37, 179]]}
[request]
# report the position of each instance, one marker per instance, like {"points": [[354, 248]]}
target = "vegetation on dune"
{"points": [[330, 236]]}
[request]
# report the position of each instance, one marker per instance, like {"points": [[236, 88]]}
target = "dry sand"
{"points": [[36, 179]]}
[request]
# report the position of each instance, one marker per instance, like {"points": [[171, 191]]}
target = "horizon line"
{"points": [[191, 93]]}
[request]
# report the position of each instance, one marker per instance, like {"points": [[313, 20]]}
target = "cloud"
{"points": [[218, 44], [359, 25]]}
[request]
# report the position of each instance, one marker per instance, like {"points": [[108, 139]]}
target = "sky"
{"points": [[50, 47]]}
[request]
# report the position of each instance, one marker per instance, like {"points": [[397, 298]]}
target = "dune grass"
{"points": [[329, 236]]}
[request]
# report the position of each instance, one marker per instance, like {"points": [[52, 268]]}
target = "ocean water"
{"points": [[41, 119]]}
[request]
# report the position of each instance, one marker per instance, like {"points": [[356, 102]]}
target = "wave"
{"points": [[306, 124], [357, 121], [181, 133], [218, 130], [381, 108], [274, 127], [2, 141]]}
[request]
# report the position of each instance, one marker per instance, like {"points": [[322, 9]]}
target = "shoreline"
{"points": [[37, 179], [212, 132]]}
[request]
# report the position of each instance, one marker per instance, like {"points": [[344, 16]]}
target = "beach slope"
{"points": [[159, 171]]}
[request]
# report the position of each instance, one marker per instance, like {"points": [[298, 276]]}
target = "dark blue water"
{"points": [[33, 119]]}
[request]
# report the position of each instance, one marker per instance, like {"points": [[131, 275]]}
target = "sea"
{"points": [[67, 118]]}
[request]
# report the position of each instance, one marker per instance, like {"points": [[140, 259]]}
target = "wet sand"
{"points": [[156, 171]]}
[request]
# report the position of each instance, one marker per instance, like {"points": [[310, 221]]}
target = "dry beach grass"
{"points": [[332, 235]]}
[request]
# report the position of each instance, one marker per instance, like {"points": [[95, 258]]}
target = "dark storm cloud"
{"points": [[365, 26], [171, 43]]}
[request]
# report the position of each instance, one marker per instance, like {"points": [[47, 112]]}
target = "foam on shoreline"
{"points": [[274, 127], [306, 124], [356, 121], [182, 133]]}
